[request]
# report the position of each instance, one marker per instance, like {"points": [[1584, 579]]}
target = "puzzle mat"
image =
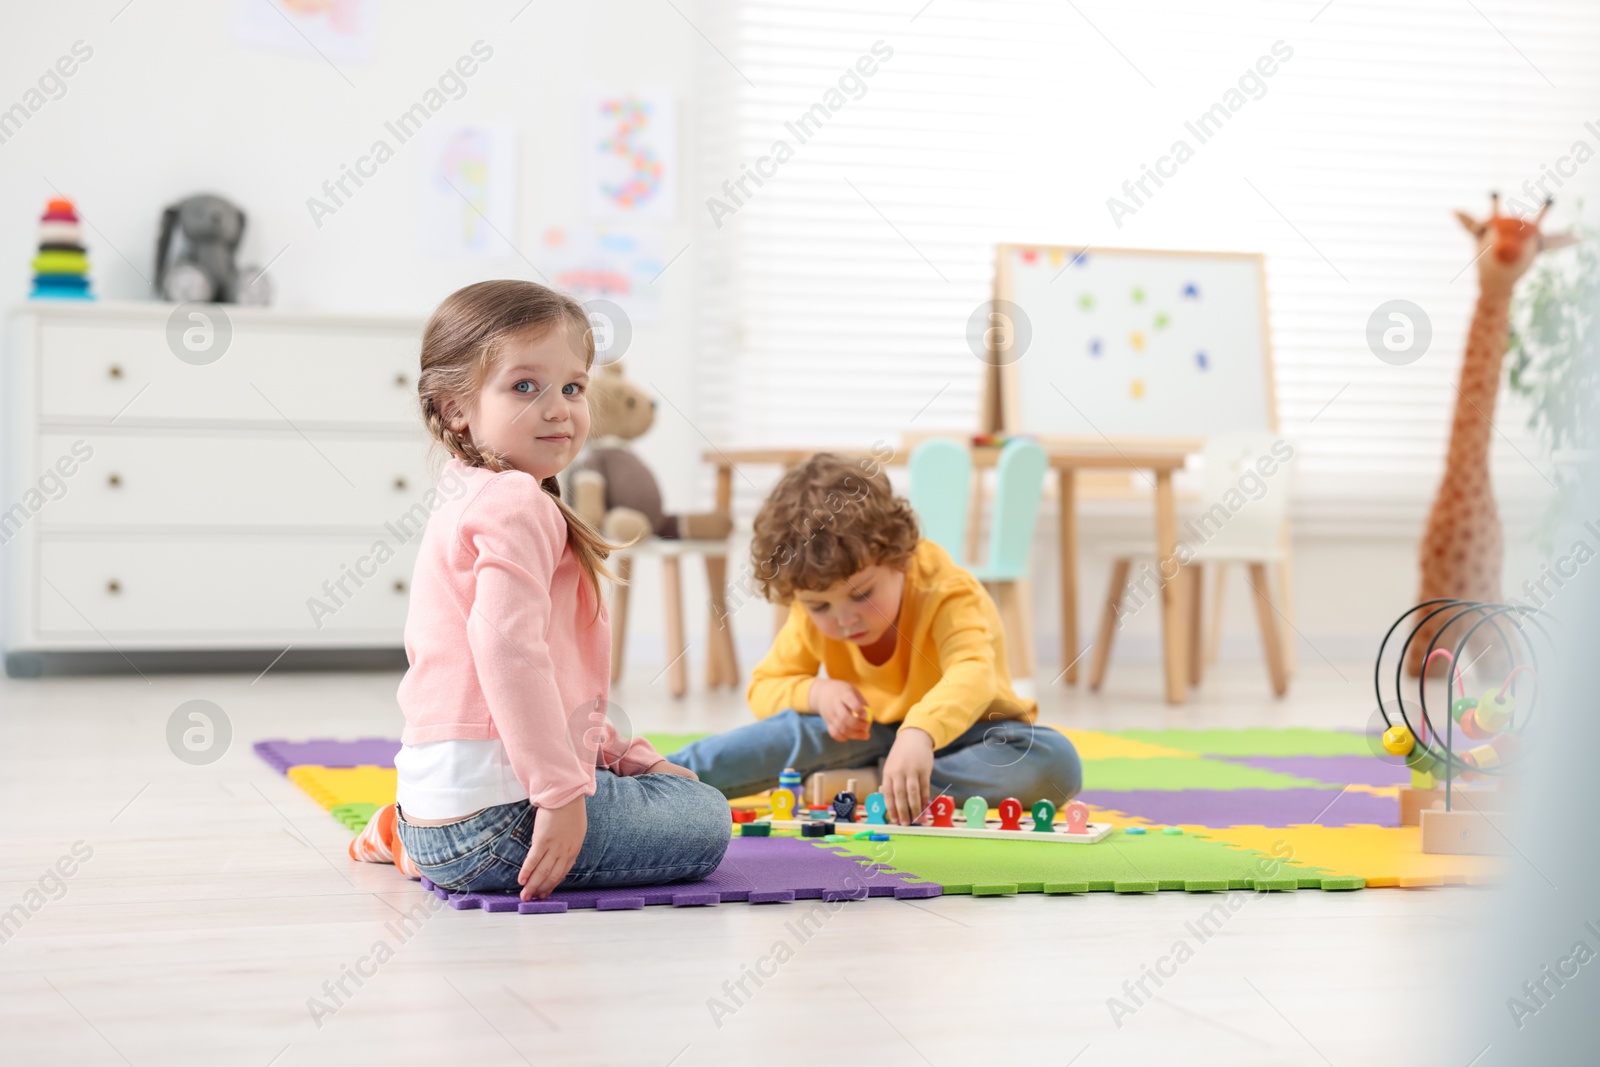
{"points": [[1318, 796]]}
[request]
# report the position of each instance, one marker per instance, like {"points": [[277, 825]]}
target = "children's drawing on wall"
{"points": [[336, 30], [631, 139], [606, 265], [468, 189]]}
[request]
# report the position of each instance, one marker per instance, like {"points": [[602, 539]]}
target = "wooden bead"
{"points": [[1398, 740], [1044, 816], [976, 809], [942, 808], [1494, 712], [1011, 814]]}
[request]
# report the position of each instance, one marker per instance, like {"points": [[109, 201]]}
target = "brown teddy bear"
{"points": [[612, 489]]}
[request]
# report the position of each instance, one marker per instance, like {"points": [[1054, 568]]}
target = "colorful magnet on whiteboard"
{"points": [[1094, 346], [1136, 388], [1056, 256], [1086, 301], [1162, 320], [976, 809], [1202, 360], [1136, 341], [877, 807], [1192, 291], [1138, 295]]}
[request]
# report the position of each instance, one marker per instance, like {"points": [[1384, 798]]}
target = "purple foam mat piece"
{"points": [[1249, 807], [755, 870], [1335, 770], [324, 752]]}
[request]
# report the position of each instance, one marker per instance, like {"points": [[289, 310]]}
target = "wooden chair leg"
{"points": [[1108, 622], [1286, 604], [1214, 634], [619, 617], [672, 603], [721, 659], [1196, 580], [1022, 608], [1271, 635]]}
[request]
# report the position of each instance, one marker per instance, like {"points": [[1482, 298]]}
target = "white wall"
{"points": [[171, 103]]}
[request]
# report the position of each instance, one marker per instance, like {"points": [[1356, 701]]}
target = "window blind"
{"points": [[835, 290]]}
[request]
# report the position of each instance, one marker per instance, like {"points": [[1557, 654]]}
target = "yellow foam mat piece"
{"points": [[1383, 855], [332, 786], [1092, 745]]}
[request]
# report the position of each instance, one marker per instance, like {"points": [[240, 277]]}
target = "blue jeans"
{"points": [[643, 830], [993, 759]]}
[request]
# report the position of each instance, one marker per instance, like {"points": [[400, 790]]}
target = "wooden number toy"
{"points": [[942, 808], [877, 808], [782, 804], [1076, 816], [844, 807], [1011, 814], [1044, 816], [976, 809]]}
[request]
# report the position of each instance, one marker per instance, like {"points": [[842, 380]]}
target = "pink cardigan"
{"points": [[503, 641]]}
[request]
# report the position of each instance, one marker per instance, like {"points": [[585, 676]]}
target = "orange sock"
{"points": [[379, 843]]}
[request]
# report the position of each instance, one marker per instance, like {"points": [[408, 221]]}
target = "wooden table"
{"points": [[1067, 458]]}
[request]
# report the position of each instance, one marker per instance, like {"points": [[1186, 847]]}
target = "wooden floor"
{"points": [[217, 902]]}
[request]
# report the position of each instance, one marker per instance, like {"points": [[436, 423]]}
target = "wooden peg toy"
{"points": [[782, 804], [1076, 816], [942, 808], [844, 807], [1044, 816], [976, 809], [1494, 711], [1011, 814], [877, 808]]}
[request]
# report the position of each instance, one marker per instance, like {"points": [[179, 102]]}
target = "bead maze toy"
{"points": [[939, 819], [1489, 726]]}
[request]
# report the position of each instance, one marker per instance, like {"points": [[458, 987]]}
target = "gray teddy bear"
{"points": [[200, 266]]}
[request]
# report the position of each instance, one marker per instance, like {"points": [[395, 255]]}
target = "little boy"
{"points": [[914, 653]]}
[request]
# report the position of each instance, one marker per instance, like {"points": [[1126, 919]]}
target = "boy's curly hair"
{"points": [[825, 520]]}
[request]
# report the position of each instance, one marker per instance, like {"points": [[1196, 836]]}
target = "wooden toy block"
{"points": [[864, 835], [1135, 830], [877, 809], [1044, 816], [844, 806], [742, 815], [1011, 814], [976, 811], [943, 810], [782, 804], [1413, 802], [1464, 833], [815, 829], [1076, 816], [835, 837], [823, 785], [755, 829]]}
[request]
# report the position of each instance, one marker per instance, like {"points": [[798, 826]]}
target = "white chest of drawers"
{"points": [[160, 498]]}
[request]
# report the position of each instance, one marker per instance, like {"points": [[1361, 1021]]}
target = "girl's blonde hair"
{"points": [[460, 344]]}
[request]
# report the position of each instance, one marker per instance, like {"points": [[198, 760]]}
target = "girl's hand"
{"points": [[843, 708], [663, 767], [906, 773], [557, 838]]}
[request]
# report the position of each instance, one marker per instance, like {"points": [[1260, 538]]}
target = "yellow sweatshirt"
{"points": [[949, 664]]}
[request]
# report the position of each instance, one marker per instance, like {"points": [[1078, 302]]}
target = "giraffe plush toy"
{"points": [[1462, 547]]}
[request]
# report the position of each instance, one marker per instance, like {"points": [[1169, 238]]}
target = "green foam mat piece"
{"points": [[1119, 864], [1175, 772], [668, 743], [353, 816], [1256, 741]]}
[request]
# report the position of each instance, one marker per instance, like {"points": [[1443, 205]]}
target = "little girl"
{"points": [[510, 775]]}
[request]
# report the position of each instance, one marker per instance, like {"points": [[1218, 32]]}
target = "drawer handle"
{"points": [[114, 481], [401, 380], [113, 587], [399, 585], [399, 485], [116, 370]]}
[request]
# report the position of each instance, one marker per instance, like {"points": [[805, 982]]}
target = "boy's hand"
{"points": [[843, 708], [906, 774], [664, 767], [557, 838]]}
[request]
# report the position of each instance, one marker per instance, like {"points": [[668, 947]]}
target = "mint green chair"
{"points": [[941, 480], [1019, 488]]}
